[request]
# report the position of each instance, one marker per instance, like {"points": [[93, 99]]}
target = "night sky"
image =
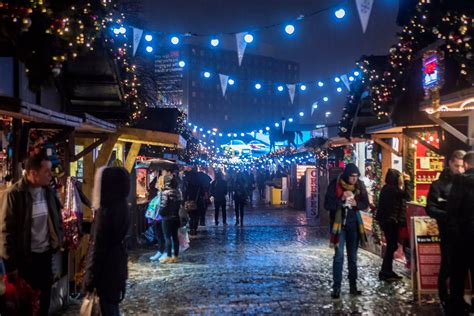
{"points": [[323, 45]]}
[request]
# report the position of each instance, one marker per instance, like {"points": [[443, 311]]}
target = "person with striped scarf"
{"points": [[345, 198]]}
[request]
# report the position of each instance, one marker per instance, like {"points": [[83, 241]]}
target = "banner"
{"points": [[345, 80], [224, 80], [283, 123], [312, 193], [241, 45], [137, 36], [364, 7], [291, 91]]}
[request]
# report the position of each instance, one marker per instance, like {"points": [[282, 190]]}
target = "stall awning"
{"points": [[92, 124], [460, 103], [392, 128], [31, 112], [342, 141], [149, 137]]}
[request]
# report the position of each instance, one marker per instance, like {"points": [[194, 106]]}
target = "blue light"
{"points": [[229, 134], [116, 31], [248, 38], [181, 63], [149, 49], [235, 134], [190, 124], [290, 120], [242, 134], [220, 134], [208, 131], [340, 13], [315, 105], [207, 74], [325, 99], [289, 29], [122, 30], [201, 129], [258, 86], [148, 38], [277, 124], [337, 79], [351, 78], [303, 87], [267, 128], [320, 83], [231, 82], [214, 42], [280, 88], [195, 127], [339, 89], [175, 40], [301, 114], [260, 131], [204, 135], [356, 73]]}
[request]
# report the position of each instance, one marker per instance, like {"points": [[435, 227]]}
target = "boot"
{"points": [[336, 294], [353, 289]]}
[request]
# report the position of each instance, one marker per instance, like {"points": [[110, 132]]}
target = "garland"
{"points": [[376, 176]]}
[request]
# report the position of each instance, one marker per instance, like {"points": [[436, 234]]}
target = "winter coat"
{"points": [[240, 191], [16, 211], [170, 201], [392, 204], [461, 206], [436, 205], [106, 268], [219, 190], [332, 202]]}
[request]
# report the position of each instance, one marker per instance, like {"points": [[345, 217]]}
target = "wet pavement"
{"points": [[275, 264]]}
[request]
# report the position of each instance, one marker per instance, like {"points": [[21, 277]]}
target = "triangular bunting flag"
{"points": [[137, 36], [346, 81], [314, 107], [291, 91], [241, 44], [365, 8], [224, 79], [283, 123]]}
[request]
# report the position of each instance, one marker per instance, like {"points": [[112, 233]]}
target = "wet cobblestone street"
{"points": [[275, 264]]}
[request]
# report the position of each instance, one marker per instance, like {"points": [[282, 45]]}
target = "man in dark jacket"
{"points": [[219, 192], [436, 207], [33, 228], [345, 197], [460, 221]]}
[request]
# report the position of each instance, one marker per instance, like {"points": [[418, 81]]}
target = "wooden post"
{"points": [[88, 178], [386, 162], [106, 151], [131, 156]]}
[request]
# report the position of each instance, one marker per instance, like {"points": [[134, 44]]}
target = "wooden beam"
{"points": [[131, 156], [149, 137], [388, 135], [452, 130], [88, 178], [89, 148], [106, 151], [387, 147]]}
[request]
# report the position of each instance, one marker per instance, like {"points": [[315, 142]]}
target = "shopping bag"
{"points": [[153, 206], [20, 298], [90, 305], [183, 238]]}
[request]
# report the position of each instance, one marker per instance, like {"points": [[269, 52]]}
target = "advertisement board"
{"points": [[312, 193]]}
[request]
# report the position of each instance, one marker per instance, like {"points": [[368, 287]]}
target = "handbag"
{"points": [[152, 208], [191, 205], [90, 305]]}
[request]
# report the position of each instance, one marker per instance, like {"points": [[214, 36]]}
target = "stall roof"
{"points": [[459, 103], [342, 141], [148, 137], [392, 128], [20, 109], [93, 124]]}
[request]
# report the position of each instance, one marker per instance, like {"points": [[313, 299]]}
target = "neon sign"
{"points": [[430, 71]]}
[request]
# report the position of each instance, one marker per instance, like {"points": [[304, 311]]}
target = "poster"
{"points": [[312, 193]]}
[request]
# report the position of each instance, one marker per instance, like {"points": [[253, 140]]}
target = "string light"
{"points": [[290, 29]]}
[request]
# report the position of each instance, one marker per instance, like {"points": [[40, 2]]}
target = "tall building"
{"points": [[243, 107]]}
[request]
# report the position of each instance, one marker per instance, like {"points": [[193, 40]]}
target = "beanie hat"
{"points": [[349, 170]]}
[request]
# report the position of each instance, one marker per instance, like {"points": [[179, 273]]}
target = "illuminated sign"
{"points": [[430, 71]]}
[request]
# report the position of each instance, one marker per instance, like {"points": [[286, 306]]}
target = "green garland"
{"points": [[376, 167]]}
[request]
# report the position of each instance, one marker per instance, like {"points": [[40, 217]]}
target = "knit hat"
{"points": [[349, 170]]}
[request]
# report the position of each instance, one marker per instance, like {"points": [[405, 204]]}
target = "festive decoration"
{"points": [[241, 45], [364, 8]]}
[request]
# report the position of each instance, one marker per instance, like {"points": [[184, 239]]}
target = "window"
{"points": [[194, 94]]}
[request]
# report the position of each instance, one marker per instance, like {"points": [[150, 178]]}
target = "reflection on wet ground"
{"points": [[275, 264]]}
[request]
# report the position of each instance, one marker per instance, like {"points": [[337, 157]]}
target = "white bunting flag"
{"points": [[241, 45], [365, 8], [137, 36], [346, 81], [283, 123], [224, 80], [291, 91], [314, 107]]}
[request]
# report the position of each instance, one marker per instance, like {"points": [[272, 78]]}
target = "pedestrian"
{"points": [[240, 198], [250, 179], [205, 183], [219, 192], [169, 211], [106, 268], [460, 220], [194, 192], [346, 196], [261, 184], [391, 215], [157, 221], [436, 207], [33, 228]]}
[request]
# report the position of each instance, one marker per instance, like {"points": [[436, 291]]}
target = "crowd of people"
{"points": [[450, 202]]}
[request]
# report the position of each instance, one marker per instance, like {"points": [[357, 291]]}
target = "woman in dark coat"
{"points": [[391, 215], [106, 269]]}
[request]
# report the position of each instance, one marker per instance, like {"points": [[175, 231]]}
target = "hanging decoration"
{"points": [[241, 45], [314, 107], [283, 124], [224, 79], [137, 36], [364, 8], [345, 80], [291, 91]]}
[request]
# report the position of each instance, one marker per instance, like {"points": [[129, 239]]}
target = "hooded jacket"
{"points": [[171, 199], [106, 268], [461, 206], [392, 201], [436, 205], [16, 212]]}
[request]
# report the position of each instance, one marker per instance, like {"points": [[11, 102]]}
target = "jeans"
{"points": [[218, 206], [170, 231], [390, 231], [38, 273], [239, 212], [462, 261], [350, 238], [158, 228], [109, 309]]}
